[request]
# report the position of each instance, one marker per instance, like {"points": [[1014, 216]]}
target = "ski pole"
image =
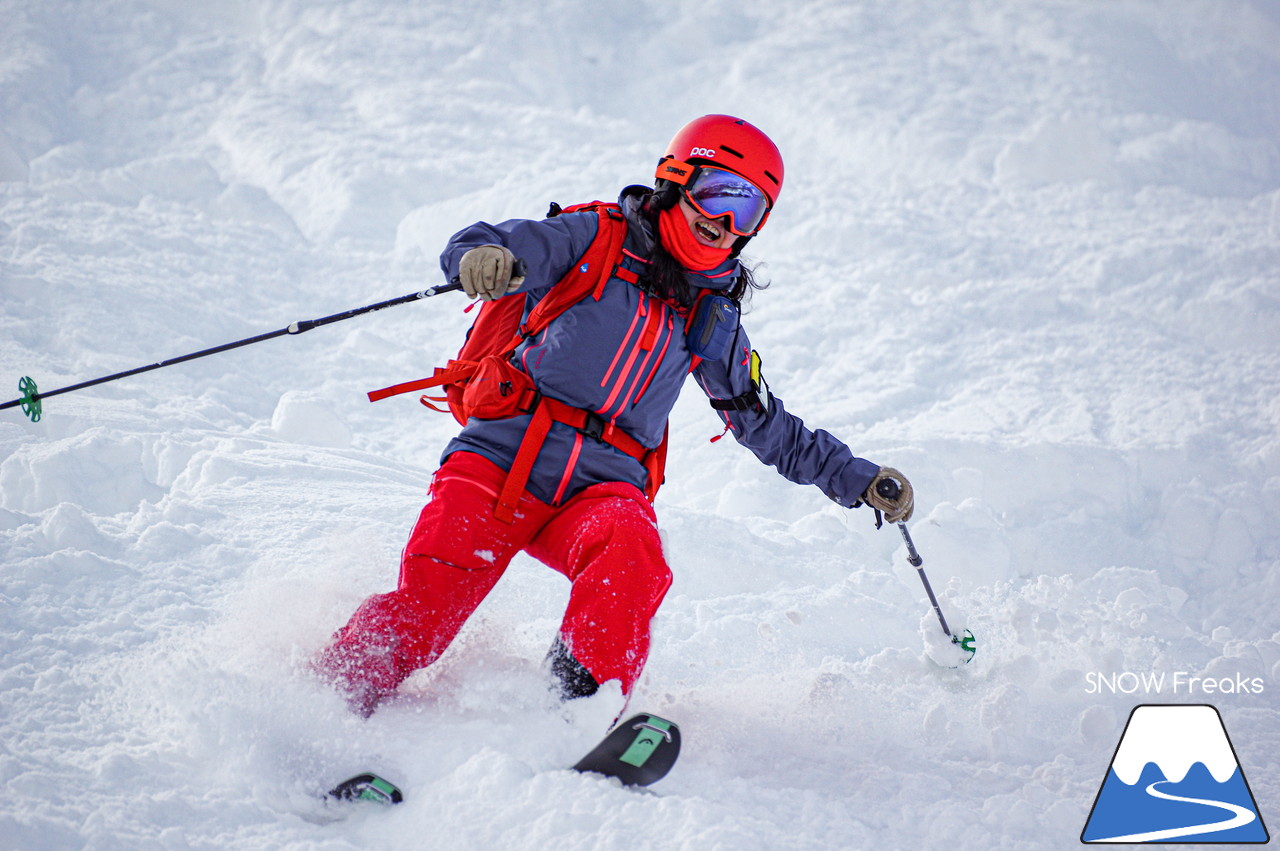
{"points": [[31, 397], [889, 489]]}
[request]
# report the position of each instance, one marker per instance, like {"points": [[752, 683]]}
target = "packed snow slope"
{"points": [[1027, 252]]}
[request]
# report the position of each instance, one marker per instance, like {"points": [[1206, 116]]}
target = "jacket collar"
{"points": [[641, 231]]}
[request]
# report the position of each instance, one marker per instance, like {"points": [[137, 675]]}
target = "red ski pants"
{"points": [[605, 540]]}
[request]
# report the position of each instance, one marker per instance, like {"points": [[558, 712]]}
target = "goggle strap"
{"points": [[676, 171]]}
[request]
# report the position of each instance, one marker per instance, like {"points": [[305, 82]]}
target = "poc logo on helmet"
{"points": [[709, 153]]}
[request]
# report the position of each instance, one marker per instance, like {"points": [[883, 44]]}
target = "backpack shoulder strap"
{"points": [[590, 272]]}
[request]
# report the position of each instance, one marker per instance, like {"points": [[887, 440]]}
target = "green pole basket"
{"points": [[30, 398]]}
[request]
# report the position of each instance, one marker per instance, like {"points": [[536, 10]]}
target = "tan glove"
{"points": [[897, 509], [487, 271]]}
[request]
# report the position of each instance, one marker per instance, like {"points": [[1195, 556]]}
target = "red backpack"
{"points": [[482, 382]]}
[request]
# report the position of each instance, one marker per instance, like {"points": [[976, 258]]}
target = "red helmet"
{"points": [[729, 143]]}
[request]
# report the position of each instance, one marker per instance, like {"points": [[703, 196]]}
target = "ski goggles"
{"points": [[716, 193]]}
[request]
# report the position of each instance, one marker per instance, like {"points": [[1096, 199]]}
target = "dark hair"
{"points": [[667, 279], [746, 284]]}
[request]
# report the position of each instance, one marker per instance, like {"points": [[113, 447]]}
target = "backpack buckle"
{"points": [[594, 426], [529, 401]]}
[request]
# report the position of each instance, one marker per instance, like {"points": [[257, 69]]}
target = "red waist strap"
{"points": [[458, 371], [590, 424]]}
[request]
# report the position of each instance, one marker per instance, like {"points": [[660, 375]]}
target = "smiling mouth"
{"points": [[708, 231]]}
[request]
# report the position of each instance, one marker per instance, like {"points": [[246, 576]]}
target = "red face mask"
{"points": [[677, 238]]}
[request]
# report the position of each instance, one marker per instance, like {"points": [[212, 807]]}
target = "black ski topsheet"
{"points": [[639, 751]]}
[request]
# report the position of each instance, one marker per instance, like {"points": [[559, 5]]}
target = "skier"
{"points": [[618, 361]]}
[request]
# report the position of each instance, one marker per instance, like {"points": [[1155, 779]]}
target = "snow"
{"points": [[1026, 253]]}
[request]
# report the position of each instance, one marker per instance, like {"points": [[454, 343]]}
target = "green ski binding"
{"points": [[367, 787]]}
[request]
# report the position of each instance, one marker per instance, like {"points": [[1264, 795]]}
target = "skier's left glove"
{"points": [[897, 509]]}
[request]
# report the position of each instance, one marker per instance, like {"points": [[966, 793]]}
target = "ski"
{"points": [[638, 752]]}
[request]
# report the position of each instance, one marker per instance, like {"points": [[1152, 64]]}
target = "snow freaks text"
{"points": [[1179, 682]]}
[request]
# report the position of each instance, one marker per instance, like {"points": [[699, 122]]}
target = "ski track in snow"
{"points": [[1026, 253]]}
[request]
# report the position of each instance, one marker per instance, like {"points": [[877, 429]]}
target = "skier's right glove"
{"points": [[898, 508], [488, 271]]}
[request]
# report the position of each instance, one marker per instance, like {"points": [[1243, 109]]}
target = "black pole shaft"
{"points": [[170, 362], [912, 555], [295, 328], [934, 600], [889, 489], [918, 563]]}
